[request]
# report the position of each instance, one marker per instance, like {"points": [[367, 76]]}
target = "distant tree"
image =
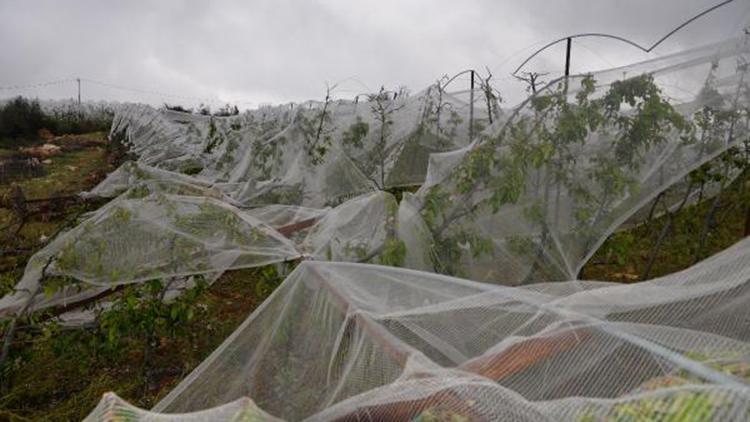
{"points": [[21, 118]]}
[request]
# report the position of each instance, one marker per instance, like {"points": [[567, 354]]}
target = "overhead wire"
{"points": [[37, 85]]}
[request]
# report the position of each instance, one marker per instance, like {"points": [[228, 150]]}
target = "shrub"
{"points": [[21, 118]]}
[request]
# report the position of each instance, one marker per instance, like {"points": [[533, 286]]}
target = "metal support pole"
{"points": [[471, 109], [567, 63]]}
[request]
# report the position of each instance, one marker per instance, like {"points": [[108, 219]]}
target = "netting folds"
{"points": [[354, 231], [486, 322], [314, 154], [113, 408], [136, 238], [345, 341], [535, 196]]}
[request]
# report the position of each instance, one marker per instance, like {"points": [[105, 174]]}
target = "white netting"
{"points": [[354, 231], [535, 196], [135, 175], [135, 238], [114, 409], [529, 198], [288, 216], [315, 154], [342, 341]]}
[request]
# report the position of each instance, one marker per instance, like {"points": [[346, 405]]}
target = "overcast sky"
{"points": [[258, 51]]}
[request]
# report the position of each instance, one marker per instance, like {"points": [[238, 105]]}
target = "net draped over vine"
{"points": [[288, 216], [134, 239], [519, 198], [113, 408], [283, 165], [314, 154], [136, 175], [354, 231], [347, 341], [534, 196]]}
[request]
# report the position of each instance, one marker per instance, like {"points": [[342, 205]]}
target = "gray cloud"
{"points": [[250, 52]]}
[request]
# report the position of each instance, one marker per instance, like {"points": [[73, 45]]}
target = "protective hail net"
{"points": [[516, 198], [113, 408], [534, 196], [346, 341], [312, 154], [135, 238]]}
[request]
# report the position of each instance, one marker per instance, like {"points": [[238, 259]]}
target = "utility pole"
{"points": [[80, 111], [471, 108]]}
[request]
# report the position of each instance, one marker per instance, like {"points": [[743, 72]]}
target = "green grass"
{"points": [[68, 173], [62, 377]]}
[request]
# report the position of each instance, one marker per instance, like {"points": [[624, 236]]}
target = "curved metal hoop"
{"points": [[463, 72], [625, 40]]}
